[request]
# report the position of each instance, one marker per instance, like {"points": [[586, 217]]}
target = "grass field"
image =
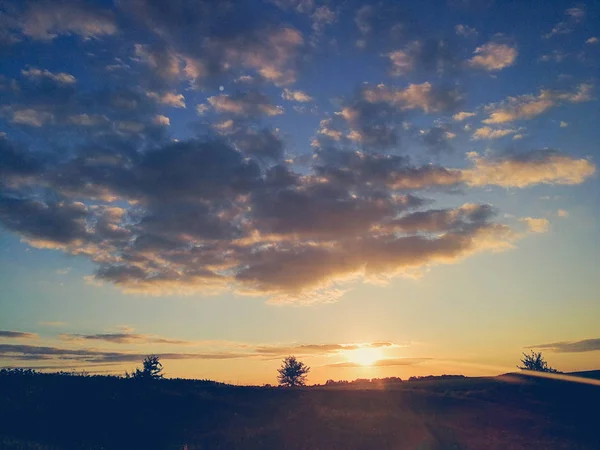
{"points": [[46, 412]]}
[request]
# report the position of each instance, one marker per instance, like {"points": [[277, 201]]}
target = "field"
{"points": [[44, 412]]}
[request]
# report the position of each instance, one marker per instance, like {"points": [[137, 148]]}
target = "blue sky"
{"points": [[382, 189]]}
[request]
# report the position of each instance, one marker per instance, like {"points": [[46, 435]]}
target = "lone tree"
{"points": [[292, 372], [536, 362], [151, 369]]}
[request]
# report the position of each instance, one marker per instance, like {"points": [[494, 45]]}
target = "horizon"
{"points": [[381, 190]]}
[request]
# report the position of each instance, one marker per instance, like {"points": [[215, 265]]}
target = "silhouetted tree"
{"points": [[292, 372], [536, 362], [151, 369]]}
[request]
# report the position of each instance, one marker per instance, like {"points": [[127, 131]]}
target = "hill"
{"points": [[45, 412]]}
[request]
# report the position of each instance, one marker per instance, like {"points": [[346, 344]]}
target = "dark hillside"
{"points": [[71, 412]]}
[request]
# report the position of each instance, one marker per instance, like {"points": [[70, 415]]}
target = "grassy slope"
{"points": [[473, 413]]}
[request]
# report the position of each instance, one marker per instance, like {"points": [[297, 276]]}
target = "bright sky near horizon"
{"points": [[379, 188]]}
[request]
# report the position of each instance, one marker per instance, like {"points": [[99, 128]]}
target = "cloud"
{"points": [[168, 98], [423, 96], [556, 56], [297, 96], [161, 120], [317, 349], [592, 40], [460, 116], [529, 106], [63, 355], [574, 16], [493, 56], [38, 74], [321, 17], [123, 338], [32, 117], [17, 335], [490, 133], [249, 104], [586, 345], [542, 167], [562, 213], [236, 201], [45, 20], [429, 55], [87, 120], [465, 30], [536, 225], [563, 124]]}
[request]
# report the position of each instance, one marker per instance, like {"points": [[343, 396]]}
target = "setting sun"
{"points": [[365, 356]]}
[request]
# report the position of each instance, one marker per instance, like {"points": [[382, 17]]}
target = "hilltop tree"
{"points": [[151, 369], [535, 362], [292, 372]]}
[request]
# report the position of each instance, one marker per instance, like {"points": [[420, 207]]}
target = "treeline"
{"points": [[375, 382]]}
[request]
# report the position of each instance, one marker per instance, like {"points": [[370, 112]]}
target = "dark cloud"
{"points": [[35, 353], [45, 20], [123, 338], [247, 104], [428, 56], [17, 334], [435, 221], [389, 171], [586, 345], [47, 224], [263, 144]]}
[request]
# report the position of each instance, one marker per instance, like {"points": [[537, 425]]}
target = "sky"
{"points": [[379, 188]]}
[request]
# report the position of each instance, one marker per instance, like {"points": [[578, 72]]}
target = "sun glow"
{"points": [[365, 356]]}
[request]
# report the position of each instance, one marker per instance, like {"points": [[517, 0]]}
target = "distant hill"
{"points": [[594, 374]]}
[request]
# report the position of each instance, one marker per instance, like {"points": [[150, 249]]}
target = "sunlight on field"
{"points": [[365, 356]]}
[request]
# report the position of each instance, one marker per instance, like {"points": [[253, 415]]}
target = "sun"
{"points": [[365, 356]]}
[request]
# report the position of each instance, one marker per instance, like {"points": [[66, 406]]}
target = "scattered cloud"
{"points": [[574, 16], [428, 55], [246, 104], [37, 74], [465, 30], [586, 345], [296, 96], [32, 117], [490, 133], [536, 225], [592, 40], [45, 20], [17, 335], [161, 120], [63, 355], [529, 106], [542, 167], [493, 56], [562, 213], [563, 124], [556, 56], [463, 115], [168, 99], [123, 338]]}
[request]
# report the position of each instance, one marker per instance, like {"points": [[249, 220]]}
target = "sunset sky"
{"points": [[381, 189]]}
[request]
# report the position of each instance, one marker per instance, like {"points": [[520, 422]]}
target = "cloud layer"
{"points": [[169, 155]]}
